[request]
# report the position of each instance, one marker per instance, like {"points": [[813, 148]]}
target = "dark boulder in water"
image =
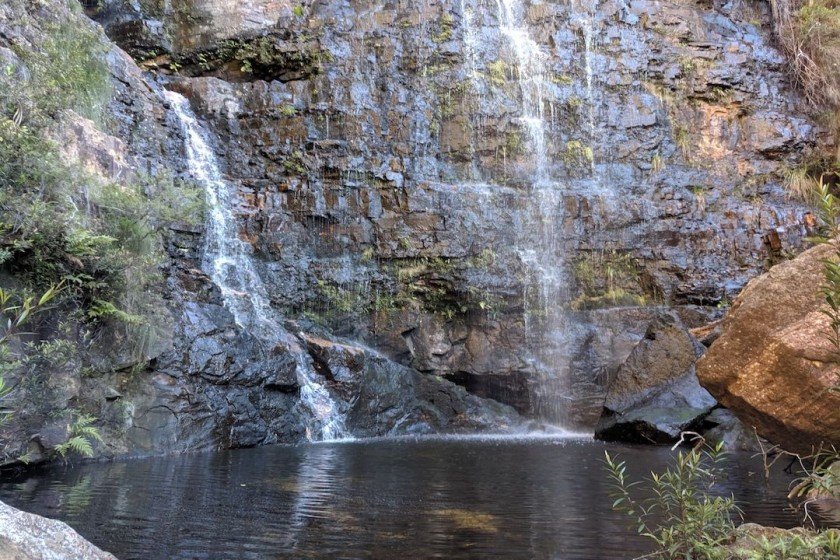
{"points": [[655, 395]]}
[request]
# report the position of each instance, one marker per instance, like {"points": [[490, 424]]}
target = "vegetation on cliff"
{"points": [[808, 31], [62, 223]]}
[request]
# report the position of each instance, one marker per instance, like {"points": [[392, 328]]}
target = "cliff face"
{"points": [[197, 380], [385, 157], [389, 176]]}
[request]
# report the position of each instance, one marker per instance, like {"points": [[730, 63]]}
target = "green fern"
{"points": [[78, 445], [82, 435], [102, 309]]}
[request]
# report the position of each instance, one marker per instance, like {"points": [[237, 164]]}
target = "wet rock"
{"points": [[707, 334], [721, 426], [655, 395], [386, 398], [431, 219], [773, 364], [24, 536]]}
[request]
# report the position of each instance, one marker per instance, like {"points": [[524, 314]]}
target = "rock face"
{"points": [[655, 395], [204, 382], [391, 399], [387, 173], [773, 364], [24, 536]]}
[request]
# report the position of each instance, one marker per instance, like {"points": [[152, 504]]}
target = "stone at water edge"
{"points": [[24, 536], [748, 541], [725, 428], [655, 395], [773, 365]]}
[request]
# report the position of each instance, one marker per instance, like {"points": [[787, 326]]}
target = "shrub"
{"points": [[61, 224], [828, 212], [16, 311], [809, 33], [70, 70], [681, 515], [822, 479], [758, 543]]}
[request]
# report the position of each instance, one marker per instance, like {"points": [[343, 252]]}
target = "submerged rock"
{"points": [[722, 426], [774, 365], [24, 536], [655, 395]]}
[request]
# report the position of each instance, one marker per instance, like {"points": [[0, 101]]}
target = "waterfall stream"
{"points": [[531, 74], [541, 247], [227, 260]]}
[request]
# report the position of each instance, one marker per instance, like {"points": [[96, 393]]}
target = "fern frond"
{"points": [[76, 444], [88, 432]]}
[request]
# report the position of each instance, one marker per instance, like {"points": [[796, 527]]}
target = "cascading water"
{"points": [[541, 249], [227, 260], [470, 39], [587, 40], [531, 75], [586, 22], [471, 44]]}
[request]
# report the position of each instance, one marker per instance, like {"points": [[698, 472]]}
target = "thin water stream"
{"points": [[227, 260]]}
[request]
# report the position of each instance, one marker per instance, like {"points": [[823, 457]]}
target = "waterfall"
{"points": [[470, 39], [586, 23], [590, 95], [531, 75], [227, 260], [540, 247]]}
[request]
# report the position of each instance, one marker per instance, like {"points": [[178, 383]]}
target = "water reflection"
{"points": [[384, 499]]}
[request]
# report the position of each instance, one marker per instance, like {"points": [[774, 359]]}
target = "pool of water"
{"points": [[447, 498]]}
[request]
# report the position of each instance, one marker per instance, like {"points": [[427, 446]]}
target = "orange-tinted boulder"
{"points": [[773, 364]]}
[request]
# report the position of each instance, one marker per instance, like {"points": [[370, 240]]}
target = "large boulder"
{"points": [[774, 365], [655, 395], [24, 536]]}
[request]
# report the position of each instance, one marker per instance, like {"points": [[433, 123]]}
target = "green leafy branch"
{"points": [[681, 515], [16, 312]]}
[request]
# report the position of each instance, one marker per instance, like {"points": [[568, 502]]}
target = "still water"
{"points": [[403, 499]]}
